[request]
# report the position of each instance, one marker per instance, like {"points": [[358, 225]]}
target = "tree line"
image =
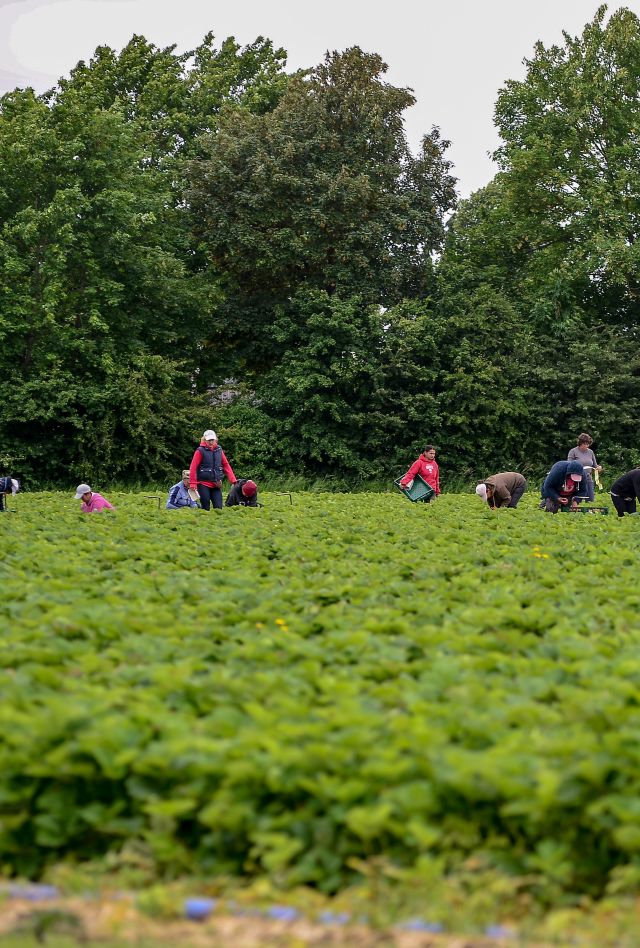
{"points": [[204, 239]]}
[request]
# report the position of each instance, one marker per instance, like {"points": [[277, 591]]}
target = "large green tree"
{"points": [[97, 311], [321, 222], [571, 163], [351, 395], [539, 276], [321, 193], [104, 302], [175, 98]]}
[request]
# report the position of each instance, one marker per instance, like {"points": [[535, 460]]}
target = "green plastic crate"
{"points": [[420, 490]]}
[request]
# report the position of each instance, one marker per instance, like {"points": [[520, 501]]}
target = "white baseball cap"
{"points": [[82, 489], [209, 435], [481, 491]]}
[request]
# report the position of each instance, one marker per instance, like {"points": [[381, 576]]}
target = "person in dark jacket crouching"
{"points": [[8, 485], [244, 493], [179, 494], [561, 484], [625, 491], [502, 490]]}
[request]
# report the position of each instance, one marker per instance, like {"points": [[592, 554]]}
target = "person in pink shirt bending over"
{"points": [[91, 502], [427, 467]]}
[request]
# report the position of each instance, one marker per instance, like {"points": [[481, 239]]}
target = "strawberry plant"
{"points": [[294, 691]]}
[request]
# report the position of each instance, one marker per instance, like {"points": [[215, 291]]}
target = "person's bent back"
{"points": [[502, 490], [625, 491], [244, 493], [561, 484]]}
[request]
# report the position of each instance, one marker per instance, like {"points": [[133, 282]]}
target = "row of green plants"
{"points": [[296, 692]]}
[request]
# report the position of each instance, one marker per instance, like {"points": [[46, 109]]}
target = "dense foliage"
{"points": [[328, 687], [541, 268], [104, 306], [201, 239]]}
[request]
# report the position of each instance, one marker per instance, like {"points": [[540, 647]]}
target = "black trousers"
{"points": [[517, 495], [624, 505], [210, 495]]}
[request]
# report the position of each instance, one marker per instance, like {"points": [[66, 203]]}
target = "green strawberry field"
{"points": [[301, 692]]}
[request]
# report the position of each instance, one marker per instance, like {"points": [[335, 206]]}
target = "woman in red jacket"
{"points": [[206, 470], [427, 467]]}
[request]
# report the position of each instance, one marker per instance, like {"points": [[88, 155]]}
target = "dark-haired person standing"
{"points": [[427, 467], [625, 491], [584, 454]]}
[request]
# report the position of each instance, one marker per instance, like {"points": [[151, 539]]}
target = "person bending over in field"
{"points": [[179, 494], [625, 491], [91, 501], [502, 490], [8, 485], [427, 467], [244, 493], [561, 484], [206, 470]]}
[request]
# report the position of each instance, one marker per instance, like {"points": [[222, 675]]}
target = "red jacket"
{"points": [[195, 463], [428, 471]]}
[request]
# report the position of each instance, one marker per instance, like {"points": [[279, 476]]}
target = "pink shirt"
{"points": [[97, 502]]}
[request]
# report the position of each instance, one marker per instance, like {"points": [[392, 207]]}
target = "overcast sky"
{"points": [[454, 54]]}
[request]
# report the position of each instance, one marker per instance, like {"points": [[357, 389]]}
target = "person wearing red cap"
{"points": [[244, 493]]}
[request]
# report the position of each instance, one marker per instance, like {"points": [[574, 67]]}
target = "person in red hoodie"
{"points": [[206, 469], [427, 467]]}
